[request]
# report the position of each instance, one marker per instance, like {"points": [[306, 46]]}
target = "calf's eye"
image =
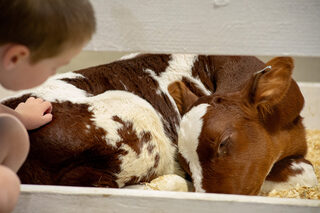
{"points": [[223, 146]]}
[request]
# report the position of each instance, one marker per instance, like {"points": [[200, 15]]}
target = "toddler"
{"points": [[36, 38]]}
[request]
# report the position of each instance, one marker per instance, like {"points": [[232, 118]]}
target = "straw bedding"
{"points": [[313, 139]]}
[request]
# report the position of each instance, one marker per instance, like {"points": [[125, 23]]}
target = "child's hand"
{"points": [[35, 112]]}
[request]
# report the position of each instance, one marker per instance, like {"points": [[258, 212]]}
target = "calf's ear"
{"points": [[182, 95], [270, 85]]}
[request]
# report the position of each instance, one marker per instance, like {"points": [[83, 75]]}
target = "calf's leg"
{"points": [[288, 173]]}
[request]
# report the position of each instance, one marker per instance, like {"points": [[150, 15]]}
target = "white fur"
{"points": [[190, 130], [306, 178], [142, 115], [129, 56], [124, 86], [56, 90], [180, 66]]}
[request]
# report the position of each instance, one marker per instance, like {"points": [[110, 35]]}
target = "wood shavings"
{"points": [[313, 140]]}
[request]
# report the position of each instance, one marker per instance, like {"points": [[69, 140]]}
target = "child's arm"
{"points": [[33, 113]]}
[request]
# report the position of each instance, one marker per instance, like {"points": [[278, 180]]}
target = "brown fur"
{"points": [[67, 152], [245, 133]]}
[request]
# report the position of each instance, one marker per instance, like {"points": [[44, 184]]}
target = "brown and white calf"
{"points": [[248, 135], [119, 124]]}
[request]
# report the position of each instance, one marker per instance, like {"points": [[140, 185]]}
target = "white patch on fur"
{"points": [[142, 115], [124, 86], [307, 178], [190, 130], [180, 66], [87, 129], [129, 56], [55, 89]]}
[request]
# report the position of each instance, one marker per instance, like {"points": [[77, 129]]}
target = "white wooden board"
{"points": [[245, 27], [53, 199]]}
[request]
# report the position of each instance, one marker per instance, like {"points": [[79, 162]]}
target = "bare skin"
{"points": [[33, 113], [10, 189], [13, 152], [16, 72]]}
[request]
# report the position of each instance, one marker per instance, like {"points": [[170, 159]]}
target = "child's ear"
{"points": [[13, 55], [183, 97]]}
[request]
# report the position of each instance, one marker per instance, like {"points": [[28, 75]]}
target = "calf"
{"points": [[248, 132], [113, 125], [117, 124]]}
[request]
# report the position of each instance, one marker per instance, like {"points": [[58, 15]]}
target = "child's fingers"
{"points": [[30, 99], [46, 107], [40, 100], [47, 118], [34, 100]]}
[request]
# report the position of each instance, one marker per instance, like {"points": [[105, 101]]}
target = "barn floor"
{"points": [[313, 139]]}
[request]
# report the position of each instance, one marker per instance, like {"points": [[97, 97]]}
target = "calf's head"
{"points": [[226, 141]]}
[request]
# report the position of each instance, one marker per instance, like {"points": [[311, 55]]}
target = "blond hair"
{"points": [[46, 27]]}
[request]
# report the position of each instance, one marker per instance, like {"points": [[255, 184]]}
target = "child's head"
{"points": [[41, 33]]}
